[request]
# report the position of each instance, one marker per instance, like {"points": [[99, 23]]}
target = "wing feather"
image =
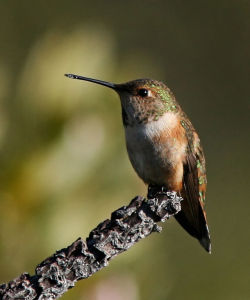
{"points": [[192, 216]]}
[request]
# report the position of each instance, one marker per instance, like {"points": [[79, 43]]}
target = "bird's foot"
{"points": [[154, 191]]}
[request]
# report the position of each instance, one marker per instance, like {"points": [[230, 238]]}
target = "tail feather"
{"points": [[206, 243], [199, 229]]}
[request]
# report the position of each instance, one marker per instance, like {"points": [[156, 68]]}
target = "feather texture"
{"points": [[192, 216]]}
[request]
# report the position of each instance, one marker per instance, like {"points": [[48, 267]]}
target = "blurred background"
{"points": [[63, 162]]}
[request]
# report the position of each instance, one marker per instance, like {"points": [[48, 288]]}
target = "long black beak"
{"points": [[105, 83]]}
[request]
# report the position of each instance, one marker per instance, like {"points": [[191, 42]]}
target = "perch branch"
{"points": [[129, 224]]}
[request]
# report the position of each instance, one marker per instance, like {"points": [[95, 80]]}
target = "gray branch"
{"points": [[129, 224]]}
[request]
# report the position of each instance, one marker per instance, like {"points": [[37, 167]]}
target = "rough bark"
{"points": [[129, 224]]}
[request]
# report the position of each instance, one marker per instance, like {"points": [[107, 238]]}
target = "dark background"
{"points": [[63, 162]]}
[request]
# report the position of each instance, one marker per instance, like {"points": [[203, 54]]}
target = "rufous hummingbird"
{"points": [[164, 148]]}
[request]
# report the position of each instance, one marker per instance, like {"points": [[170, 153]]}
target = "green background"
{"points": [[63, 162]]}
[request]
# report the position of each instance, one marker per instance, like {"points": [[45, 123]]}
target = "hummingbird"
{"points": [[164, 148]]}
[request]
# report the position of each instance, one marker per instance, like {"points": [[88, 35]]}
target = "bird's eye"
{"points": [[143, 92]]}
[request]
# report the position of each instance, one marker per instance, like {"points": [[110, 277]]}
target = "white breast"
{"points": [[151, 160], [165, 123]]}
